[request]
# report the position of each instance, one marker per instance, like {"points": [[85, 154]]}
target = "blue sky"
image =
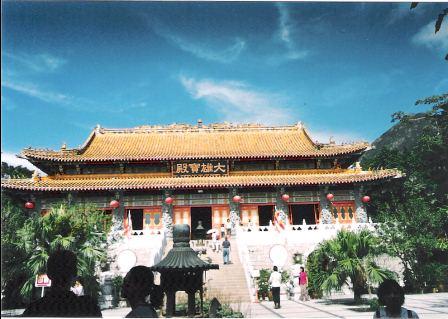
{"points": [[340, 68]]}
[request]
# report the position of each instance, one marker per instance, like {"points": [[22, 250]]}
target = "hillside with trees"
{"points": [[413, 210]]}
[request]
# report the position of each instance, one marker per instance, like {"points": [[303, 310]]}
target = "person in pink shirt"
{"points": [[303, 283]]}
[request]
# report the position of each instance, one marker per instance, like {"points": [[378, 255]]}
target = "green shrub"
{"points": [[227, 312], [263, 281], [373, 304], [285, 276], [117, 282]]}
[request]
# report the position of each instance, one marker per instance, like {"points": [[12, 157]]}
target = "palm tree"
{"points": [[78, 228], [349, 256]]}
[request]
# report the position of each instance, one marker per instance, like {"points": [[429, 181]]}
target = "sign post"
{"points": [[43, 281]]}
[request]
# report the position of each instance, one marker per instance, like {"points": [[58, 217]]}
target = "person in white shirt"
{"points": [[215, 240], [275, 280], [77, 289], [228, 228], [250, 225], [223, 231]]}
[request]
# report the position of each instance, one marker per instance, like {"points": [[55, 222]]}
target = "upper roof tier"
{"points": [[180, 142]]}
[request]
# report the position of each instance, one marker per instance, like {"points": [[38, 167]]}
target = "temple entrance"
{"points": [[137, 219], [301, 212], [203, 214], [265, 214]]}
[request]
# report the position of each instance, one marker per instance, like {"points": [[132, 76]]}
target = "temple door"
{"points": [[249, 212], [181, 215], [220, 214]]}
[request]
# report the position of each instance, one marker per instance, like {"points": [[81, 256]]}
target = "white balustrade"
{"points": [[243, 254], [293, 235]]}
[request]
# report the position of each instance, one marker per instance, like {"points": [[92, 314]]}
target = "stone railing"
{"points": [[291, 236], [243, 254], [312, 233]]}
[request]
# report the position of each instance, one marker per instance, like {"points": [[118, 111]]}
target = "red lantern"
{"points": [[330, 196], [366, 199], [29, 205], [236, 199], [285, 197], [169, 200], [114, 204]]}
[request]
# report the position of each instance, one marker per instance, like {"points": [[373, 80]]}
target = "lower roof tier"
{"points": [[66, 183]]}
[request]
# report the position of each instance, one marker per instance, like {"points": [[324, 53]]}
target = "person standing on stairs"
{"points": [[275, 280], [303, 283], [226, 250], [228, 228], [215, 241], [223, 230]]}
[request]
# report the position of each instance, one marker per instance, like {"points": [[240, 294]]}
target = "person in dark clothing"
{"points": [[60, 301], [137, 285], [391, 296], [226, 250]]}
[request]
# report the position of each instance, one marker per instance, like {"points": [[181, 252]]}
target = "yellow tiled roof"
{"points": [[163, 181], [178, 142]]}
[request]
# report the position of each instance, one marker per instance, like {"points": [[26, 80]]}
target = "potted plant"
{"points": [[117, 282], [263, 283]]}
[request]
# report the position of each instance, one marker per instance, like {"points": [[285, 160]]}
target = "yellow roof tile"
{"points": [[129, 181], [192, 142]]}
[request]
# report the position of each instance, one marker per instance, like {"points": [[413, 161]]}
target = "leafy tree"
{"points": [[439, 20], [15, 171], [348, 256], [413, 210], [13, 276], [315, 271], [77, 227]]}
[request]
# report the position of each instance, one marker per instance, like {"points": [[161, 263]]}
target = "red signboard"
{"points": [[42, 281]]}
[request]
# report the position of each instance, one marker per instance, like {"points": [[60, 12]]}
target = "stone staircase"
{"points": [[228, 284]]}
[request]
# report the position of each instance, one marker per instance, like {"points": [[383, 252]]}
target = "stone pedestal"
{"points": [[108, 297]]}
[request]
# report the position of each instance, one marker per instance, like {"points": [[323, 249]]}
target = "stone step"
{"points": [[228, 284]]}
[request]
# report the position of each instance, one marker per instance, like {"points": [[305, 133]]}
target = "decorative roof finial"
{"points": [[199, 123], [332, 140], [64, 146], [36, 176]]}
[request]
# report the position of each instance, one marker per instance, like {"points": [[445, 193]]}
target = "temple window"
{"points": [[304, 164], [254, 166]]}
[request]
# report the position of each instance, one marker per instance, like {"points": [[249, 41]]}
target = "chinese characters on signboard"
{"points": [[200, 168], [42, 281]]}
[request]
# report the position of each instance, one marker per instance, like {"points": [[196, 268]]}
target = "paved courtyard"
{"points": [[427, 306]]}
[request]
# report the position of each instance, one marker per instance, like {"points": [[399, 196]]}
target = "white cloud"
{"points": [[35, 92], [200, 48], [426, 36], [287, 28], [323, 136], [224, 55], [13, 160], [238, 103], [38, 62]]}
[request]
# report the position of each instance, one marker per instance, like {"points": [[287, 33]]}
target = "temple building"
{"points": [[151, 177]]}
